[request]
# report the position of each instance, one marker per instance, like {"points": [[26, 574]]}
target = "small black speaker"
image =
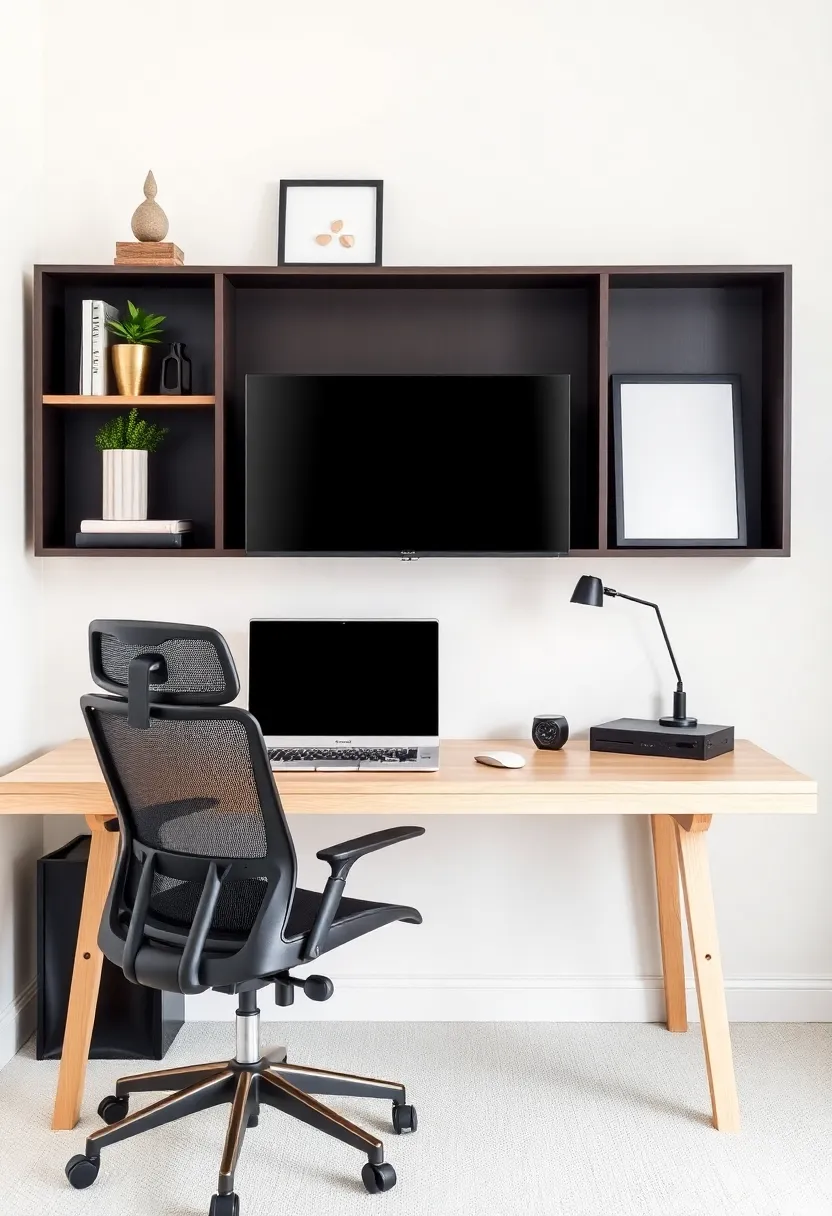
{"points": [[550, 732]]}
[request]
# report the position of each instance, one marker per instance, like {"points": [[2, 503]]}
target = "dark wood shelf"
{"points": [[589, 321]]}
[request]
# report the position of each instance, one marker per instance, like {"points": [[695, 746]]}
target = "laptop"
{"points": [[345, 695]]}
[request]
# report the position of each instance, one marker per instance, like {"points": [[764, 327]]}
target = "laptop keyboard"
{"points": [[385, 755]]}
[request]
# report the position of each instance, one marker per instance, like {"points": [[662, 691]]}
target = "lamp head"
{"points": [[588, 590]]}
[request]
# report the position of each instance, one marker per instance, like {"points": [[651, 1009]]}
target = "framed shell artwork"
{"points": [[330, 223]]}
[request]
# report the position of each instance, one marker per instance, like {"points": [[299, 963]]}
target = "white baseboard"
{"points": [[557, 998], [480, 998], [18, 1021]]}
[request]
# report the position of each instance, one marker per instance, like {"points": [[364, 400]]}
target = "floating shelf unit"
{"points": [[588, 321]]}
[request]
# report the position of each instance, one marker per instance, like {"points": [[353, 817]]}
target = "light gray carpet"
{"points": [[539, 1119]]}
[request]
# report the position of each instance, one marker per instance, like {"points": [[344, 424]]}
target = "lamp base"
{"points": [[679, 719]]}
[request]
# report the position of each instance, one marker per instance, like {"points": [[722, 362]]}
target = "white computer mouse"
{"points": [[501, 759]]}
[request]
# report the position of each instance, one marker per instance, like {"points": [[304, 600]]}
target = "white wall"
{"points": [[525, 133], [21, 144]]}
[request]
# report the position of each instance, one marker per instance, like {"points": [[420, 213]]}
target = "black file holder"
{"points": [[131, 1022]]}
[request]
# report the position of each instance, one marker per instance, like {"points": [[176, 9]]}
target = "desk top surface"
{"points": [[67, 780]]}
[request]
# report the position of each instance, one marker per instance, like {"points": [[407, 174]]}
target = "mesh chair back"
{"points": [[196, 666], [191, 787]]}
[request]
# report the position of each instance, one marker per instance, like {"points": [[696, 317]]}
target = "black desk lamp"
{"points": [[591, 591]]}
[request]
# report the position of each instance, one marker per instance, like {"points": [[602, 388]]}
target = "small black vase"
{"points": [[176, 372]]}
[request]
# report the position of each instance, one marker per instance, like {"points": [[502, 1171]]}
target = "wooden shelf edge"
{"points": [[693, 551], [153, 401], [72, 551], [182, 272]]}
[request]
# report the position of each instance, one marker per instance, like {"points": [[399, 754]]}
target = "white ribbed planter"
{"points": [[125, 484]]}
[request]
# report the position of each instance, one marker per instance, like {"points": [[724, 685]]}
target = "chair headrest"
{"points": [[160, 662]]}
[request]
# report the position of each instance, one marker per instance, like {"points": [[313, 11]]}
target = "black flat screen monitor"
{"points": [[407, 465]]}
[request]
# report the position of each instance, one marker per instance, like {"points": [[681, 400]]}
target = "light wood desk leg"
{"points": [[691, 832], [666, 858], [86, 975]]}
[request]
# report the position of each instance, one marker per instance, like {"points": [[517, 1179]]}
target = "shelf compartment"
{"points": [[188, 312], [482, 323], [727, 325], [166, 401], [180, 474], [67, 470]]}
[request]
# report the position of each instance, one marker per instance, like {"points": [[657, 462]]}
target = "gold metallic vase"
{"points": [[131, 363]]}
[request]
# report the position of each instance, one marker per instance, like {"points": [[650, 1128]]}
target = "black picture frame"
{"points": [[622, 541], [287, 184]]}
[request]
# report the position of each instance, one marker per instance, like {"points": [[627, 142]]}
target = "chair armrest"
{"points": [[342, 856]]}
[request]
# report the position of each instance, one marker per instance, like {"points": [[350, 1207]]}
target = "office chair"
{"points": [[204, 891]]}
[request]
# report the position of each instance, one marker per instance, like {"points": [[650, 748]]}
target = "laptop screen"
{"points": [[342, 679]]}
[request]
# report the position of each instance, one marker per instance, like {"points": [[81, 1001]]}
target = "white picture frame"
{"points": [[330, 223], [678, 461]]}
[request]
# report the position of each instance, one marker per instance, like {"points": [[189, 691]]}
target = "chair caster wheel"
{"points": [[113, 1110], [225, 1205], [82, 1171], [404, 1118], [378, 1178]]}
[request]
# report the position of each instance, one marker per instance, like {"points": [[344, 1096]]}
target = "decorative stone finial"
{"points": [[149, 222]]}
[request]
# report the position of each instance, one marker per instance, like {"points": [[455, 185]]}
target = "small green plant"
{"points": [[139, 327], [130, 431]]}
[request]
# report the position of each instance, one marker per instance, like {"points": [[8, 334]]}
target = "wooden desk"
{"points": [[680, 796]]}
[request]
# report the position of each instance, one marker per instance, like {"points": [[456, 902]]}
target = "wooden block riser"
{"points": [[148, 253]]}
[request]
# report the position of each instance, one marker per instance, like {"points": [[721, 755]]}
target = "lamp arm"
{"points": [[649, 604]]}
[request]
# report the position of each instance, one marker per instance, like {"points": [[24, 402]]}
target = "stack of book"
{"points": [[95, 343], [134, 534]]}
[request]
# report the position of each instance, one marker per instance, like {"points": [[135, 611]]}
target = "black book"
{"points": [[132, 540]]}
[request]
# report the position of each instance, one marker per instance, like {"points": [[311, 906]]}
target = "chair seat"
{"points": [[353, 918], [305, 904]]}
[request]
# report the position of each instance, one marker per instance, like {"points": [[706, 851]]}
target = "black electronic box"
{"points": [[639, 737]]}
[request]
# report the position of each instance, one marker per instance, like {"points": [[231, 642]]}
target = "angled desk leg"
{"points": [[691, 831], [86, 975], [666, 858]]}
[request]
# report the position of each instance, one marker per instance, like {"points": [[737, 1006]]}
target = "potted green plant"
{"points": [[124, 442], [138, 331]]}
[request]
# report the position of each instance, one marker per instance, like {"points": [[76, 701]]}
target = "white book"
{"points": [[136, 525], [85, 379], [101, 313]]}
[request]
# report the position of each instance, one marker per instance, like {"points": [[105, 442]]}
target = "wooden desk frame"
{"points": [[679, 796]]}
